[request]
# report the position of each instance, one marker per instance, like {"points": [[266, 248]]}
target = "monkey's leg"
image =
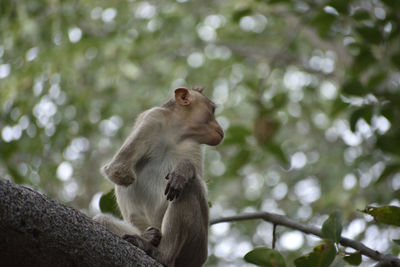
{"points": [[185, 229], [115, 225]]}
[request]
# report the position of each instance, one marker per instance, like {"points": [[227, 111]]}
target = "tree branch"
{"points": [[277, 219], [37, 231]]}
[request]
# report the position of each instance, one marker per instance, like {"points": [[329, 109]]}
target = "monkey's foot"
{"points": [[139, 242], [153, 235]]}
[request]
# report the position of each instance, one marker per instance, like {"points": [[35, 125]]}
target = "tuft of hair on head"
{"points": [[199, 89]]}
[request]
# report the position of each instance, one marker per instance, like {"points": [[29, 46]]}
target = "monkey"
{"points": [[158, 177]]}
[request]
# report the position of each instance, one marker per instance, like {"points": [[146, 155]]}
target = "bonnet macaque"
{"points": [[159, 184]]}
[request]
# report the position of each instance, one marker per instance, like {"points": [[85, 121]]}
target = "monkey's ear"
{"points": [[182, 96]]}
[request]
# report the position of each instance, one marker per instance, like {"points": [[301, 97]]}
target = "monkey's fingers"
{"points": [[171, 194], [176, 194], [167, 189]]}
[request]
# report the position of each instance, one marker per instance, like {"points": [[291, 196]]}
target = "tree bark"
{"points": [[37, 231]]}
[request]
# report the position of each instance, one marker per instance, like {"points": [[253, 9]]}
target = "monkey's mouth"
{"points": [[220, 133]]}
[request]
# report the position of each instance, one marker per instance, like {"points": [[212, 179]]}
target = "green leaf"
{"points": [[395, 4], [396, 241], [396, 60], [277, 151], [108, 204], [341, 6], [239, 160], [279, 101], [370, 34], [265, 257], [332, 227], [17, 178], [353, 259], [238, 14], [322, 256], [394, 33], [353, 87], [338, 106], [387, 214], [361, 15], [389, 143], [376, 79], [362, 61], [278, 1], [323, 22], [236, 135], [364, 112], [389, 170]]}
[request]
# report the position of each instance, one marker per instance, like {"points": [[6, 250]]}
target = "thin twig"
{"points": [[277, 219], [274, 236]]}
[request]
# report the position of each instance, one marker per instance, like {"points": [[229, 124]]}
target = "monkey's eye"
{"points": [[214, 107]]}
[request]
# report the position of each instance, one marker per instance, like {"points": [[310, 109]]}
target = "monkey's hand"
{"points": [[175, 186], [178, 179], [119, 174]]}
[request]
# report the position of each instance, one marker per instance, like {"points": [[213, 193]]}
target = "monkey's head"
{"points": [[196, 112]]}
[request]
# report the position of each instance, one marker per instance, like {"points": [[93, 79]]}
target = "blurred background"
{"points": [[307, 93]]}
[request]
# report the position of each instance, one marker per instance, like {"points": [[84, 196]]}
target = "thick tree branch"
{"points": [[277, 219], [37, 231]]}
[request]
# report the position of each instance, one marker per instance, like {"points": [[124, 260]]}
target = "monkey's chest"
{"points": [[143, 203]]}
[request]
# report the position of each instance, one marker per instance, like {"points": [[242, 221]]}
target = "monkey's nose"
{"points": [[220, 132]]}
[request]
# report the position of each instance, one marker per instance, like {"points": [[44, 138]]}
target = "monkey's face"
{"points": [[203, 127], [212, 131], [216, 134]]}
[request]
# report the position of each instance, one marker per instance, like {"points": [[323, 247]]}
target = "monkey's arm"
{"points": [[138, 144], [183, 172]]}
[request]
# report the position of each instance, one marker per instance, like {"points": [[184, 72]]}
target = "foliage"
{"points": [[265, 257], [387, 215], [308, 93], [108, 204], [322, 256], [332, 227], [353, 259]]}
